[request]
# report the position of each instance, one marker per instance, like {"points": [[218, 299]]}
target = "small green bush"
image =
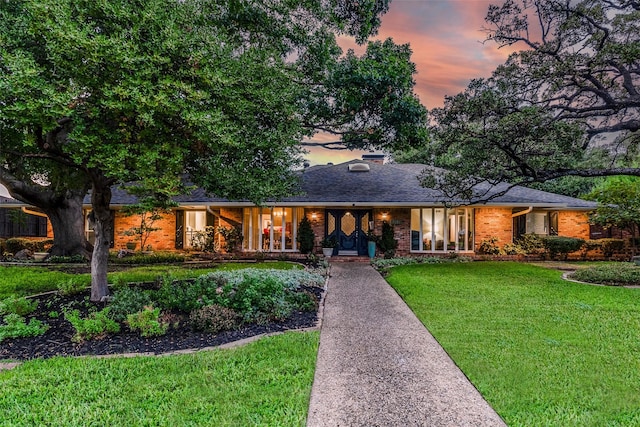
{"points": [[387, 242], [531, 243], [183, 295], [213, 318], [147, 322], [618, 274], [557, 245], [611, 246], [71, 287], [394, 262], [18, 305], [305, 236], [96, 325], [73, 259], [155, 258], [128, 300], [16, 244], [513, 249], [490, 247], [16, 327]]}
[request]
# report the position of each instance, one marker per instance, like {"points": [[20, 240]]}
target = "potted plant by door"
{"points": [[328, 244], [372, 240]]}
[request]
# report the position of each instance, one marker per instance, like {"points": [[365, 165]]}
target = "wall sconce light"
{"points": [[385, 215], [314, 216]]}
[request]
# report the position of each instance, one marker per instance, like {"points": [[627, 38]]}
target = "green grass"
{"points": [[28, 280], [266, 383], [543, 351]]}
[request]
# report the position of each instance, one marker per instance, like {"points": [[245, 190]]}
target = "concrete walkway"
{"points": [[379, 366]]}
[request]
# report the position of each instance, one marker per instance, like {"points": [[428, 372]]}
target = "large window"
{"points": [[544, 223], [440, 229], [271, 229], [194, 222]]}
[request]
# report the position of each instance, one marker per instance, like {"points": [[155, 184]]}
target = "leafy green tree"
{"points": [[618, 204], [124, 91], [571, 96]]}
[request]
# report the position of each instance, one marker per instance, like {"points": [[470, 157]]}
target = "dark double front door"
{"points": [[349, 227]]}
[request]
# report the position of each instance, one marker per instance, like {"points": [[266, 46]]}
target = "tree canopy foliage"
{"points": [[618, 204], [566, 105], [124, 91]]}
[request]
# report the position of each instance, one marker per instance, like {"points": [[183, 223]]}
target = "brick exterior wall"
{"points": [[159, 240], [493, 222], [573, 224], [489, 222]]}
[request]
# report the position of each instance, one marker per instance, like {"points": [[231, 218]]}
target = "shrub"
{"points": [[96, 325], [257, 295], [393, 262], [232, 238], [155, 258], [302, 300], [561, 245], [71, 287], [609, 274], [611, 246], [205, 240], [513, 249], [18, 305], [387, 241], [213, 318], [127, 300], [16, 244], [73, 259], [531, 243], [490, 246], [305, 236], [183, 295], [147, 322], [16, 327]]}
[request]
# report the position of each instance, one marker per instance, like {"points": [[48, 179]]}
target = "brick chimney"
{"points": [[374, 158]]}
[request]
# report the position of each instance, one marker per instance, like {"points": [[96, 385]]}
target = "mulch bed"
{"points": [[57, 340]]}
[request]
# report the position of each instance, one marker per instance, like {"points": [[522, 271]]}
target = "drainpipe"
{"points": [[524, 212]]}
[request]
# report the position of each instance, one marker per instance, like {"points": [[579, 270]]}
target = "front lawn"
{"points": [[264, 383], [543, 351]]}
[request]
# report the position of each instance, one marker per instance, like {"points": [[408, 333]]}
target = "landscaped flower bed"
{"points": [[213, 309]]}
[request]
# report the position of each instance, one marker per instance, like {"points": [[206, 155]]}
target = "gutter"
{"points": [[30, 212], [524, 212]]}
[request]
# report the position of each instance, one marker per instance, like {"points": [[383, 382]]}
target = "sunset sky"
{"points": [[446, 38]]}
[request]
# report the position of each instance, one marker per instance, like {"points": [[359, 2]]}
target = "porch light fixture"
{"points": [[385, 215], [314, 216]]}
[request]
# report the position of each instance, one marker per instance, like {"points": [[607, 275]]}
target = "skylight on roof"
{"points": [[359, 167]]}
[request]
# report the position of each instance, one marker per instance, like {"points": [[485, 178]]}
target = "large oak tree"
{"points": [[568, 104], [224, 91]]}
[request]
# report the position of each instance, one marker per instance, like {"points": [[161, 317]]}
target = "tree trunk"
{"points": [[100, 201], [67, 220], [64, 209]]}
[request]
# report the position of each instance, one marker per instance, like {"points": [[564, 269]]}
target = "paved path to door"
{"points": [[379, 366]]}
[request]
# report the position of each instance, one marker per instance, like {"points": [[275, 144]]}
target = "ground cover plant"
{"points": [[541, 350], [29, 280], [618, 274], [263, 383], [164, 315]]}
